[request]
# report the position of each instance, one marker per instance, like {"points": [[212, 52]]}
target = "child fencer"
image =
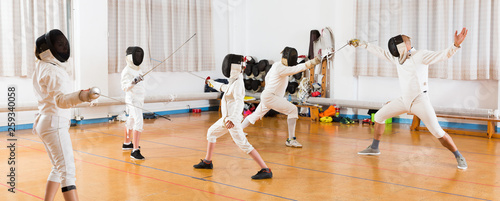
{"points": [[272, 96], [412, 67], [52, 87], [232, 108], [135, 92]]}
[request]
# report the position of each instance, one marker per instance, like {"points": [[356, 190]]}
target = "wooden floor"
{"points": [[412, 166]]}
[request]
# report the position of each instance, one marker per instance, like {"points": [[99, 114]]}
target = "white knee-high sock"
{"points": [[245, 123], [291, 128]]}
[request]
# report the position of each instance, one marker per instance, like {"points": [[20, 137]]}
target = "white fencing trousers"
{"points": [[218, 129], [421, 107], [53, 131], [135, 119], [270, 101]]}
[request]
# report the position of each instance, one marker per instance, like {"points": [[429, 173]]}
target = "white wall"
{"points": [[273, 25], [90, 51]]}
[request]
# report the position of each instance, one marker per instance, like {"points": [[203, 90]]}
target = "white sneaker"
{"points": [[293, 143], [462, 164]]}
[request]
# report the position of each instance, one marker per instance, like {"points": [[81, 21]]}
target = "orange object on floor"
{"points": [[329, 112]]}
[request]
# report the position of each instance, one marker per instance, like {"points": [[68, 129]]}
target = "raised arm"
{"points": [[431, 57], [292, 70]]}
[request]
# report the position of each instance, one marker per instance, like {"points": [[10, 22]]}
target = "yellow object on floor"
{"points": [[326, 119], [248, 98]]}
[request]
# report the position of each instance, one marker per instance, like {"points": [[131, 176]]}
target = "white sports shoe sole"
{"points": [[137, 158], [294, 146], [291, 145]]}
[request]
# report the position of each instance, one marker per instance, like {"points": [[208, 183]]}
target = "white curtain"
{"points": [[21, 23], [160, 27], [431, 25]]}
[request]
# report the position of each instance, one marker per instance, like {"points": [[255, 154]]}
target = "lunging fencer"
{"points": [[135, 93], [273, 95], [52, 87], [412, 66], [232, 108]]}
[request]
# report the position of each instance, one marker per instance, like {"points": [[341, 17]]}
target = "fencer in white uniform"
{"points": [[52, 87], [135, 93], [232, 108], [412, 67], [273, 95]]}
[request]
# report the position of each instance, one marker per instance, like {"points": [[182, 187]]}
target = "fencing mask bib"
{"points": [[55, 42], [397, 47], [137, 54], [231, 66], [289, 56]]}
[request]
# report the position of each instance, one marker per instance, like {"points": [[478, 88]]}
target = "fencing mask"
{"points": [[136, 53], [249, 68], [248, 84], [397, 47], [292, 87], [289, 56], [56, 42], [231, 66], [256, 85]]}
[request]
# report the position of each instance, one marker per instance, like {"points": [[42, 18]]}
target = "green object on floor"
{"points": [[346, 120], [387, 121]]}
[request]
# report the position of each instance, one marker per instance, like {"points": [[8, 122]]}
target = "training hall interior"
{"points": [[321, 100]]}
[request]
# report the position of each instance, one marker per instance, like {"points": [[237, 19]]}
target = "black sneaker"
{"points": [[137, 155], [264, 173], [204, 165], [127, 147]]}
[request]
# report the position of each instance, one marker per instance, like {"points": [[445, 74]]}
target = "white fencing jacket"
{"points": [[52, 87], [414, 73], [277, 77], [232, 102], [134, 94]]}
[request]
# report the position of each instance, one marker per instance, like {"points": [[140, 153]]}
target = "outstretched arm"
{"points": [[292, 70], [374, 49], [217, 85], [431, 57]]}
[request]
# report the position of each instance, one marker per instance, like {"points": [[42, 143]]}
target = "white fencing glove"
{"points": [[138, 79], [90, 94], [313, 62], [209, 82], [356, 42]]}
